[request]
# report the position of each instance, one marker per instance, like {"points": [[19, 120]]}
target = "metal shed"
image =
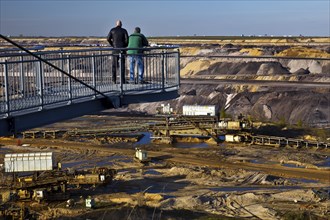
{"points": [[27, 162], [198, 110]]}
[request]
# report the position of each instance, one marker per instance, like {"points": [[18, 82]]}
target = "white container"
{"points": [[232, 138], [90, 202], [141, 154], [167, 109], [39, 194], [198, 110], [27, 162], [222, 125]]}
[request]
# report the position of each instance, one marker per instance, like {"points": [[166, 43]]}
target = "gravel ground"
{"points": [[188, 181]]}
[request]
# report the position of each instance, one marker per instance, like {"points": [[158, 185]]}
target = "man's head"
{"points": [[118, 23], [137, 30]]}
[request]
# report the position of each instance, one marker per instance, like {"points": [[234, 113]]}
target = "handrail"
{"points": [[38, 88], [30, 84], [3, 54], [57, 68]]}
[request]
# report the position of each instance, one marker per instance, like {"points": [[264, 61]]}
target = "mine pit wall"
{"points": [[217, 66], [288, 105], [267, 104], [291, 105]]}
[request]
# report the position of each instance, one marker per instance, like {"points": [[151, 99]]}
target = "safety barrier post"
{"points": [[178, 67], [40, 85], [121, 72], [163, 71], [21, 76], [62, 67], [94, 73], [70, 81], [6, 85]]}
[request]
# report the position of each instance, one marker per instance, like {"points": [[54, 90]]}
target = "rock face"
{"points": [[272, 68], [313, 66], [273, 104], [244, 68], [267, 111], [289, 105], [211, 60], [264, 103]]}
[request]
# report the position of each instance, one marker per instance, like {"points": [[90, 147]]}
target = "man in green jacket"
{"points": [[135, 41]]}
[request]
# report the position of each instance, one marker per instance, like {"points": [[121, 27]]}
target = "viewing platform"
{"points": [[50, 86]]}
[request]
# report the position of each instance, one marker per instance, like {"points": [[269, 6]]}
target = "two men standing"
{"points": [[118, 38]]}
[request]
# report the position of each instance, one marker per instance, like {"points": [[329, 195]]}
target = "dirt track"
{"points": [[188, 156], [186, 181], [215, 181]]}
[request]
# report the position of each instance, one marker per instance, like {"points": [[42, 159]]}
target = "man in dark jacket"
{"points": [[136, 40], [118, 38]]}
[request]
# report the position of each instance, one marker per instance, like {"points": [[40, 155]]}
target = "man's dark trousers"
{"points": [[115, 66]]}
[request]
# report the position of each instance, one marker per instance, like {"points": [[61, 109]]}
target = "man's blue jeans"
{"points": [[139, 60]]}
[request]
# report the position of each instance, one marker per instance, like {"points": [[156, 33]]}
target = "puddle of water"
{"points": [[222, 137], [145, 139], [325, 163]]}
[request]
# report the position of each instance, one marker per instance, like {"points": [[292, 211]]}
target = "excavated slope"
{"points": [[310, 106], [272, 104]]}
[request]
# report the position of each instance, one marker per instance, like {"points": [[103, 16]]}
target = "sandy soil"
{"points": [[187, 181]]}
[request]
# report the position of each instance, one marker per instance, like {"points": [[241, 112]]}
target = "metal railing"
{"points": [[28, 83]]}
